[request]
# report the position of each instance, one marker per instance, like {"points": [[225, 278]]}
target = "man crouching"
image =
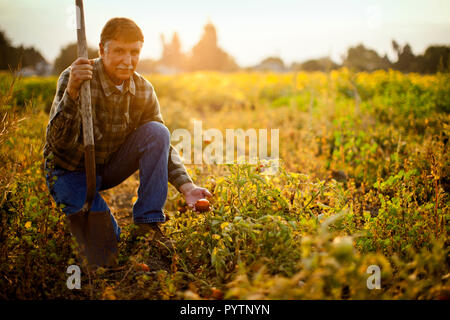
{"points": [[129, 134]]}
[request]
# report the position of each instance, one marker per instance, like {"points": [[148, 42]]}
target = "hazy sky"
{"points": [[249, 30]]}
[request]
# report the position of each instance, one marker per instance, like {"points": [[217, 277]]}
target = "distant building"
{"points": [[274, 64], [163, 69], [39, 69]]}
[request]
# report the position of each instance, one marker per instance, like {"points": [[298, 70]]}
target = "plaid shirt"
{"points": [[115, 115]]}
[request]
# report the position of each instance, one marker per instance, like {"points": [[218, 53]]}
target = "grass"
{"points": [[363, 181]]}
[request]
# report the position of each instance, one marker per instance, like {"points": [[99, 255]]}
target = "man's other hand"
{"points": [[192, 193]]}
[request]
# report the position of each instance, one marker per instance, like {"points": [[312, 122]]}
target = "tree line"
{"points": [[207, 55], [12, 58], [359, 58]]}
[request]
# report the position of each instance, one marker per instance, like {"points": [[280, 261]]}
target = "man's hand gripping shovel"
{"points": [[93, 231]]}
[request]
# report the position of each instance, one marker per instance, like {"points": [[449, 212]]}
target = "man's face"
{"points": [[120, 58]]}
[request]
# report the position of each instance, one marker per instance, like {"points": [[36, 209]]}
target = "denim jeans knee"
{"points": [[156, 131]]}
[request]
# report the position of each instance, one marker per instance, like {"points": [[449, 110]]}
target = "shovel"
{"points": [[93, 231]]}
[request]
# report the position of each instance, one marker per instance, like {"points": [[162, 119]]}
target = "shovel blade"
{"points": [[95, 236]]}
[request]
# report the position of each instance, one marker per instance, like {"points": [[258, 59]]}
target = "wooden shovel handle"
{"points": [[86, 113]]}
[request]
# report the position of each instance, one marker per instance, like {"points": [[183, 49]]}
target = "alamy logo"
{"points": [[215, 152], [74, 281], [374, 281]]}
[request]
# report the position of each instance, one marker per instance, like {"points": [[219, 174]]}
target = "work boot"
{"points": [[152, 232]]}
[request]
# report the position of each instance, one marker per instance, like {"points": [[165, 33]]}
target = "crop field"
{"points": [[363, 184]]}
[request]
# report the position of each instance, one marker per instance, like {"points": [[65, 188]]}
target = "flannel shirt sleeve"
{"points": [[176, 170], [63, 128]]}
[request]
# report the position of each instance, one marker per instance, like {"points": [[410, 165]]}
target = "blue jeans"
{"points": [[146, 149]]}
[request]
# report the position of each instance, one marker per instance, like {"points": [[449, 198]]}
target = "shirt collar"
{"points": [[108, 85]]}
